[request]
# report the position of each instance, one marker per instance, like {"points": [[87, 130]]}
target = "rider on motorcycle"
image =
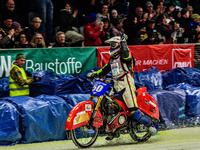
{"points": [[121, 64]]}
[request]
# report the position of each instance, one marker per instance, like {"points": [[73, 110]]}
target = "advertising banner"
{"points": [[71, 61], [164, 57]]}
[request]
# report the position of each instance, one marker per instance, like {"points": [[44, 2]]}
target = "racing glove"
{"points": [[91, 75], [124, 37]]}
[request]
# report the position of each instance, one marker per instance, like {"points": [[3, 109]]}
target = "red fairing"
{"points": [[146, 103], [81, 114], [124, 107]]}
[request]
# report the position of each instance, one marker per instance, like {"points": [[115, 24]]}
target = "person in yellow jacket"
{"points": [[18, 80]]}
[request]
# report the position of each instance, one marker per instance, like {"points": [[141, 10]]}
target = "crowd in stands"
{"points": [[77, 23]]}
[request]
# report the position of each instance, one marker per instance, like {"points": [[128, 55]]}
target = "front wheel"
{"points": [[139, 132], [84, 137]]}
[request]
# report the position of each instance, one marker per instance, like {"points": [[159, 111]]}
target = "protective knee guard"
{"points": [[143, 119]]}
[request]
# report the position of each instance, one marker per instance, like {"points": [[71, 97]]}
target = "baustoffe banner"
{"points": [[72, 61]]}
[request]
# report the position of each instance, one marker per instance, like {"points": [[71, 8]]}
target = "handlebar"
{"points": [[92, 76]]}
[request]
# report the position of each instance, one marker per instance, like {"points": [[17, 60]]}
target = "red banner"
{"points": [[163, 57]]}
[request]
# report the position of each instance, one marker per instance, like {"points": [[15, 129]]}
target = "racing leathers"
{"points": [[121, 66]]}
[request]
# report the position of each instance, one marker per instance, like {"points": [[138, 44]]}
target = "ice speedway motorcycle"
{"points": [[109, 114]]}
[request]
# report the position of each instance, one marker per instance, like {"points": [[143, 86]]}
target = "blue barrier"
{"points": [[192, 100], [150, 78], [171, 103], [9, 124], [4, 87], [42, 118]]}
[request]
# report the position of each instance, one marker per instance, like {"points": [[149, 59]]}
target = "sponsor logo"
{"points": [[70, 66], [181, 58], [88, 107]]}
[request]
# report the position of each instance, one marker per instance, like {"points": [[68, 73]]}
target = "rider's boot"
{"points": [[110, 137], [143, 119], [113, 135]]}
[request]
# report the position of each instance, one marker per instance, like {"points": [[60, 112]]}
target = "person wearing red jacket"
{"points": [[93, 33]]}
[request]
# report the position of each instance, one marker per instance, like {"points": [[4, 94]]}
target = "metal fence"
{"points": [[197, 55]]}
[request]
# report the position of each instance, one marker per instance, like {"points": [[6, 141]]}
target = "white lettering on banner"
{"points": [[138, 62], [182, 64], [78, 66], [65, 68], [5, 66], [50, 68], [37, 65], [59, 67], [29, 66], [151, 62]]}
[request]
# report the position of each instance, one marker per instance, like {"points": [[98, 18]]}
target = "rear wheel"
{"points": [[84, 137], [139, 132]]}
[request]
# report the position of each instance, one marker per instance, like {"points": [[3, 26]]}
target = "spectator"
{"points": [[188, 32], [175, 3], [160, 8], [117, 27], [92, 32], [122, 7], [170, 12], [132, 29], [114, 16], [164, 31], [60, 40], [37, 41], [108, 31], [143, 31], [9, 9], [104, 14], [151, 40], [190, 9], [111, 5], [19, 81], [18, 29], [94, 6], [161, 41], [44, 8], [151, 29], [177, 15], [34, 28], [150, 11], [194, 24], [194, 3], [139, 13], [177, 33], [141, 17], [195, 21], [7, 31], [69, 25], [22, 42]]}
